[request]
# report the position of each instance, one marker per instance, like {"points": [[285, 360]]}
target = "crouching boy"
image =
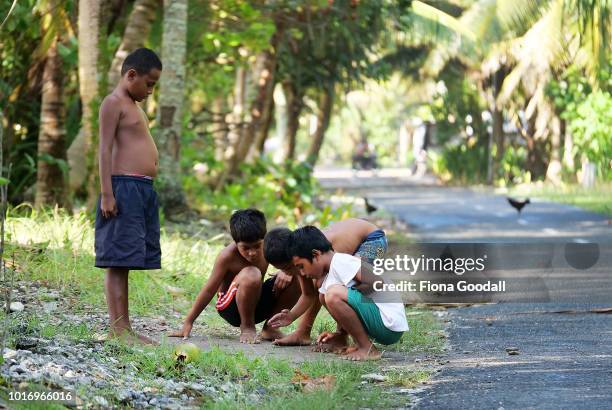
{"points": [[343, 285], [243, 297]]}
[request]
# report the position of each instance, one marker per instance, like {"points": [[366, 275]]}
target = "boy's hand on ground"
{"points": [[108, 206], [281, 319], [282, 281], [323, 337], [184, 332]]}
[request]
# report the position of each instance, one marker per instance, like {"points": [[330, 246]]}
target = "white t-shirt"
{"points": [[342, 271]]}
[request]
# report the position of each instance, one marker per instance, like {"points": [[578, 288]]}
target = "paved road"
{"points": [[565, 350]]}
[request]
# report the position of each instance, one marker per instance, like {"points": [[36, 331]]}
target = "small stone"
{"points": [[26, 343], [17, 369], [100, 401], [9, 354], [512, 351], [373, 377], [16, 307], [49, 307], [153, 401]]}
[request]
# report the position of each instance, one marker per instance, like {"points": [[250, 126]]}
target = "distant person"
{"points": [[343, 283], [243, 297], [127, 220], [353, 236], [420, 140]]}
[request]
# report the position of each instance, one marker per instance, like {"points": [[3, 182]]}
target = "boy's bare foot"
{"points": [[293, 339], [270, 334], [128, 336], [146, 340], [362, 353], [248, 335], [331, 342]]}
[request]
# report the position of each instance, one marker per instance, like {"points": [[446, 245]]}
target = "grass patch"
{"points": [[425, 335], [596, 199]]}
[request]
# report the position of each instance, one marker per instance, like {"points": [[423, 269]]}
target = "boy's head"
{"points": [[276, 250], [141, 70], [306, 247], [248, 229]]}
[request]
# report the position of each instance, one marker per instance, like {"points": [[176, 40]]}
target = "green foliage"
{"points": [[591, 131], [587, 113], [461, 163], [285, 193]]}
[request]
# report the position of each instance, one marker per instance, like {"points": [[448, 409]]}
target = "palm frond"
{"points": [[438, 16]]}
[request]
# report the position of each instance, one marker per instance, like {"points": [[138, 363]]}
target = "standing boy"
{"points": [[127, 221], [243, 298], [353, 236], [343, 285]]}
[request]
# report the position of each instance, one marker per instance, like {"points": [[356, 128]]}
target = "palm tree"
{"points": [[52, 169], [170, 112], [88, 38]]}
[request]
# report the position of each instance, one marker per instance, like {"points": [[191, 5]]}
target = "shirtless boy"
{"points": [[127, 221], [352, 236], [243, 298]]}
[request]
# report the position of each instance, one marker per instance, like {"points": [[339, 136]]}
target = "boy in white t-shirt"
{"points": [[342, 284]]}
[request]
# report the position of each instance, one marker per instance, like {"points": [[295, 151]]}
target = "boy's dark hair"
{"points": [[276, 246], [307, 239], [248, 225], [142, 60]]}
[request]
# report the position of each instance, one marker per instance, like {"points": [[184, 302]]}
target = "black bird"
{"points": [[369, 207], [518, 205]]}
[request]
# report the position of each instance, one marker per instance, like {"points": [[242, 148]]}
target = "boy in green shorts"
{"points": [[353, 236], [343, 283]]}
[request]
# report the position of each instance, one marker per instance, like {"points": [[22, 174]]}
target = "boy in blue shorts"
{"points": [[343, 283], [127, 222], [353, 236]]}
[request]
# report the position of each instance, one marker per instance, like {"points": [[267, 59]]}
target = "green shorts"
{"points": [[370, 318]]}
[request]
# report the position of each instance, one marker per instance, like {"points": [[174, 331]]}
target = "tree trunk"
{"points": [[568, 148], [262, 134], [136, 32], [553, 171], [295, 104], [88, 37], [217, 129], [264, 80], [52, 168], [497, 137], [234, 121], [170, 112], [325, 108], [536, 163]]}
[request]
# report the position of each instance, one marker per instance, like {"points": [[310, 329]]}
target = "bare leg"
{"points": [[116, 285], [116, 289], [332, 342], [336, 301], [286, 300], [247, 296], [301, 335]]}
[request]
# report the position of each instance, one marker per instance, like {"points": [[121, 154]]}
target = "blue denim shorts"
{"points": [[131, 238], [373, 247]]}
